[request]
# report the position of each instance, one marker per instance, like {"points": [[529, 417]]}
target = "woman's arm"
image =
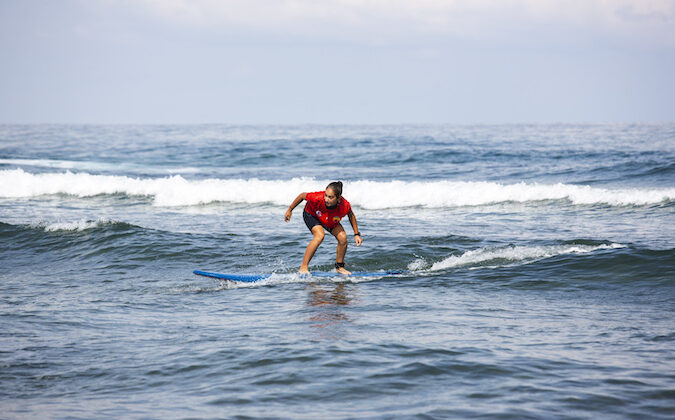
{"points": [[294, 204], [355, 226]]}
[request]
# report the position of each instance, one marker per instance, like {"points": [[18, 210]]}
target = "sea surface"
{"points": [[538, 272]]}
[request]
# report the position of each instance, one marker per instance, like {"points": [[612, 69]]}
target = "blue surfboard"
{"points": [[250, 278]]}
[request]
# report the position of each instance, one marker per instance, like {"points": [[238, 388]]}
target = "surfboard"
{"points": [[250, 278]]}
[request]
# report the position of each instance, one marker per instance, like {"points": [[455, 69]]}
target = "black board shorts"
{"points": [[312, 221]]}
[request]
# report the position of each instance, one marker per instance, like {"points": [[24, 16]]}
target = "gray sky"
{"points": [[336, 61]]}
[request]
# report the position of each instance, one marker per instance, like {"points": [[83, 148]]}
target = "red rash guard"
{"points": [[316, 206]]}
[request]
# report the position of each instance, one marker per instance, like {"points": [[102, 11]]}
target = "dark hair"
{"points": [[336, 187]]}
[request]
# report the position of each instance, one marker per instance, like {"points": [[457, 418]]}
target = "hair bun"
{"points": [[336, 187]]}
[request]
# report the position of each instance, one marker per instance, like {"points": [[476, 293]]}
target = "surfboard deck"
{"points": [[250, 278]]}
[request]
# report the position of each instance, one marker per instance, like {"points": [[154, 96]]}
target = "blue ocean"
{"points": [[537, 272]]}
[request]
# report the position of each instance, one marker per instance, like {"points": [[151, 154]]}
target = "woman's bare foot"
{"points": [[342, 270], [303, 270]]}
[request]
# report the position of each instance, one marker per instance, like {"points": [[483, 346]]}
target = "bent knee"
{"points": [[342, 238]]}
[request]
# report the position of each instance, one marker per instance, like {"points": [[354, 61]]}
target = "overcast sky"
{"points": [[336, 61]]}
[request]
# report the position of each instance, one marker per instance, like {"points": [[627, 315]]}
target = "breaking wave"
{"points": [[178, 191], [76, 226], [501, 256]]}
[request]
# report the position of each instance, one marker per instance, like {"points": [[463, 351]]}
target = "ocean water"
{"points": [[538, 272]]}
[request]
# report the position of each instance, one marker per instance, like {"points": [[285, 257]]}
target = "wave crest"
{"points": [[76, 226], [491, 257], [178, 191]]}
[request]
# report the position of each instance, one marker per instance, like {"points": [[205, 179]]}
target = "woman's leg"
{"points": [[341, 236], [319, 234]]}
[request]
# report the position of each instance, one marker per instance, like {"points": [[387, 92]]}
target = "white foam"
{"points": [[178, 191], [439, 194], [79, 225], [417, 264], [290, 278], [514, 254]]}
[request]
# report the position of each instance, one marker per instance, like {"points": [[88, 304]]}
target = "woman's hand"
{"points": [[358, 240], [294, 204]]}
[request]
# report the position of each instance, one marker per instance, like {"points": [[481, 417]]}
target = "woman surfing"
{"points": [[323, 211]]}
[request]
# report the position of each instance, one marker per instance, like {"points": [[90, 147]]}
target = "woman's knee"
{"points": [[318, 235], [342, 238]]}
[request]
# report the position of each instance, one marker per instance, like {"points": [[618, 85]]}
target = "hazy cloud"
{"points": [[648, 22], [296, 61]]}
